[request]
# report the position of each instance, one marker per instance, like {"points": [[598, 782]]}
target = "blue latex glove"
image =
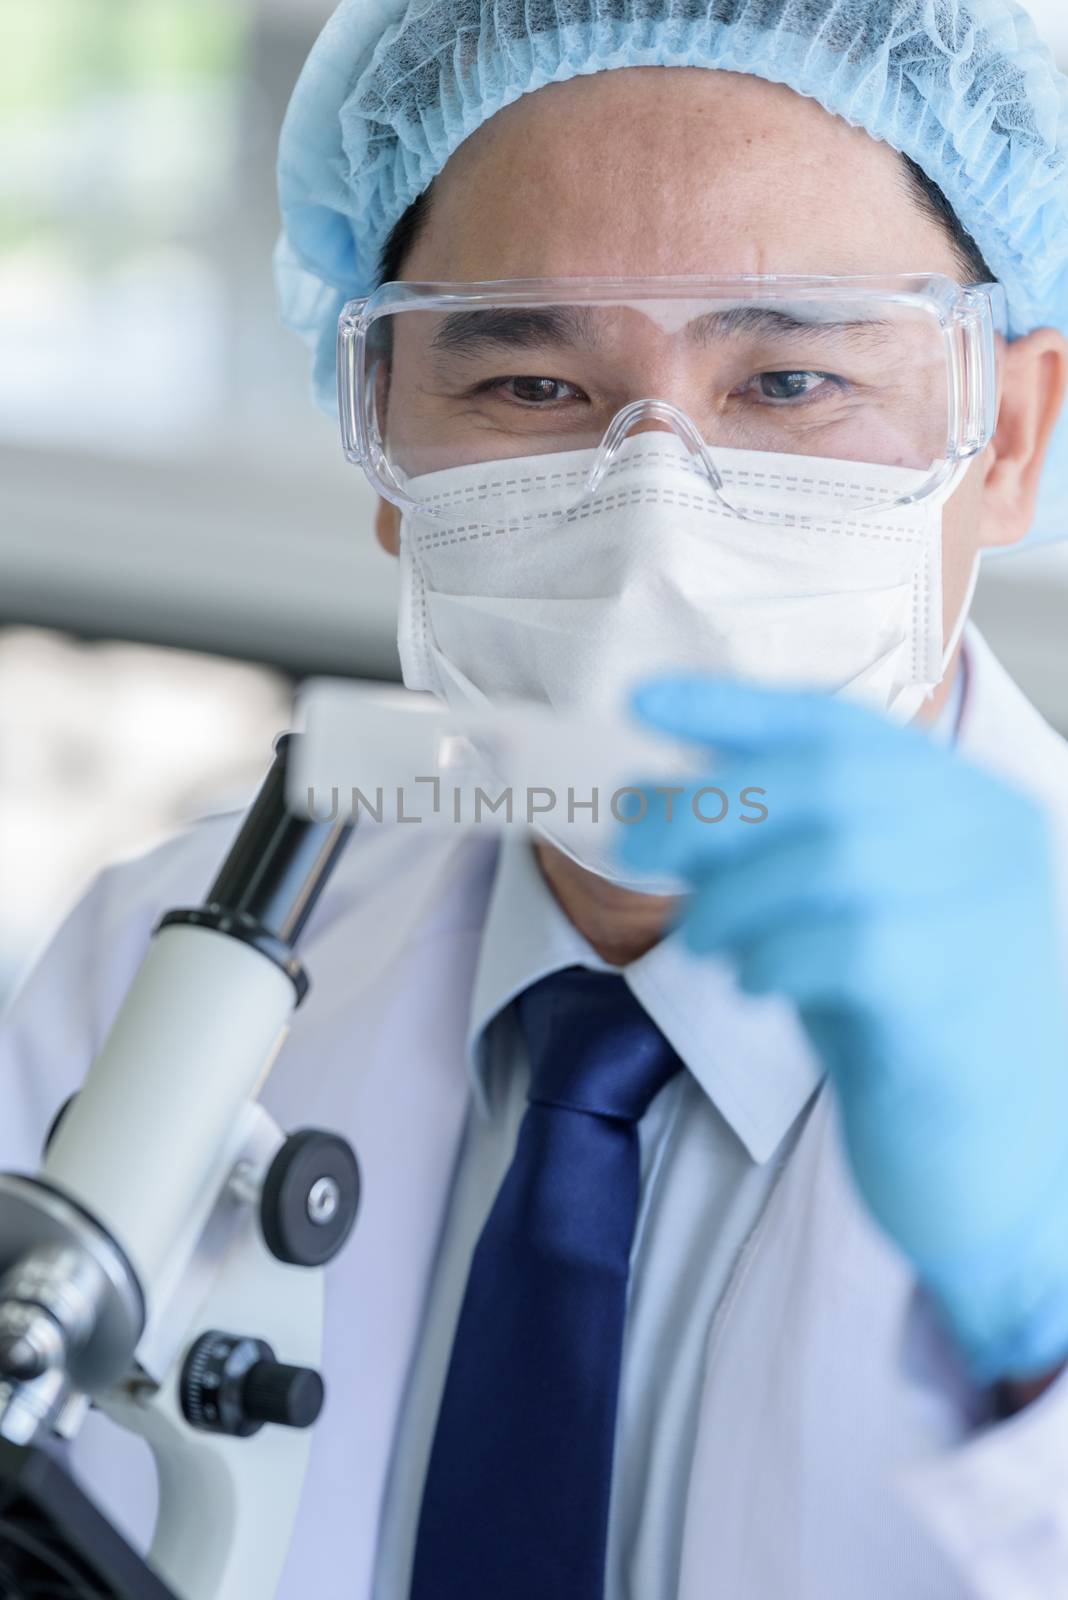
{"points": [[905, 901]]}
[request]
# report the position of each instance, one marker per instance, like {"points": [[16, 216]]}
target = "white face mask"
{"points": [[651, 575]]}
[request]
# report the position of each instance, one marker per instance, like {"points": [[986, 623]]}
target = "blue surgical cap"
{"points": [[392, 87]]}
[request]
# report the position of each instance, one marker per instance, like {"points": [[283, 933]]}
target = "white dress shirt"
{"points": [[713, 1143]]}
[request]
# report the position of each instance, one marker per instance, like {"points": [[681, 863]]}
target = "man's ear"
{"points": [[1034, 379], [387, 526]]}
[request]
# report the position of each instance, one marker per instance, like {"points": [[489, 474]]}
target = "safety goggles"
{"points": [[779, 387]]}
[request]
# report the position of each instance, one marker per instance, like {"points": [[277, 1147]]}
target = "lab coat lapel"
{"points": [[382, 1061], [1003, 731], [797, 1419], [807, 1402], [815, 1399]]}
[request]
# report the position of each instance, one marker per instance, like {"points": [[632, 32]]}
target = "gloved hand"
{"points": [[905, 901]]}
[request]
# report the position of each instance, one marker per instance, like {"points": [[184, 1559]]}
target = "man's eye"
{"points": [[532, 390], [791, 385]]}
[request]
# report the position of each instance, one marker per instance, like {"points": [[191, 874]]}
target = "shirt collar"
{"points": [[526, 935], [748, 1054]]}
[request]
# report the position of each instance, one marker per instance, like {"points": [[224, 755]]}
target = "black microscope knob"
{"points": [[233, 1384], [310, 1197], [275, 1392]]}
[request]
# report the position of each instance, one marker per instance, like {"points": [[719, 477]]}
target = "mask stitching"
{"points": [[741, 476], [421, 619], [556, 479], [919, 584], [473, 531], [424, 617], [923, 621], [921, 613]]}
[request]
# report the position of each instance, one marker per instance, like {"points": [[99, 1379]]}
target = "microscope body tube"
{"points": [[141, 1145], [198, 1031]]}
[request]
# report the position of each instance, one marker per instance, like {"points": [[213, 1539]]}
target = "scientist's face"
{"points": [[648, 171]]}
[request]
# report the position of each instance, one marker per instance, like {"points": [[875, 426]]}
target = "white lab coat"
{"points": [[839, 1454]]}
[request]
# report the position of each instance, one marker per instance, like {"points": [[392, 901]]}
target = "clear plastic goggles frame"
{"points": [[927, 399]]}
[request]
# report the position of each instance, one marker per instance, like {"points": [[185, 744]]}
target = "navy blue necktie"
{"points": [[515, 1503]]}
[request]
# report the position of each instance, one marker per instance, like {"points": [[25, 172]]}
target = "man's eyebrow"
{"points": [[467, 332], [771, 320]]}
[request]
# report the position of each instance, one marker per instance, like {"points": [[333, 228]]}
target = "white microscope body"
{"points": [[166, 1262]]}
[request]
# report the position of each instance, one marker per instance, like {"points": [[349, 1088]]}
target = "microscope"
{"points": [[165, 1263]]}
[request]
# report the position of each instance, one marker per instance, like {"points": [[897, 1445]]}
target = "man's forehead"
{"points": [[677, 122], [662, 170]]}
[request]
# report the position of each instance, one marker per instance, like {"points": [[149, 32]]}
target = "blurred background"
{"points": [[180, 539]]}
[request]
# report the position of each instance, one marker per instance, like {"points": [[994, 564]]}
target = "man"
{"points": [[787, 1314]]}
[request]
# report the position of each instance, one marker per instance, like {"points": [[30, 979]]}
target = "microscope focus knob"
{"points": [[233, 1384], [289, 1396]]}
